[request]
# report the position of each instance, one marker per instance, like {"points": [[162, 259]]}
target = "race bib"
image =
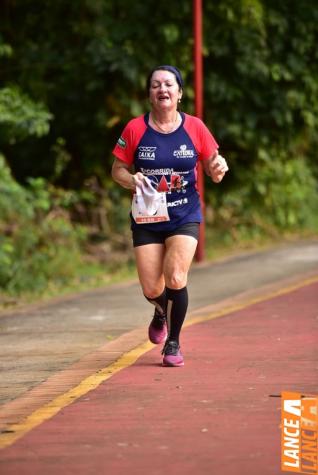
{"points": [[148, 205]]}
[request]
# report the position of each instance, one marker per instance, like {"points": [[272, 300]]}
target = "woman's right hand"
{"points": [[137, 179], [121, 174]]}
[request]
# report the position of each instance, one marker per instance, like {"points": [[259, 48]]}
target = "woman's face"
{"points": [[164, 91]]}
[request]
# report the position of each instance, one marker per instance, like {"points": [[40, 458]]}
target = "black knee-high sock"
{"points": [[159, 302], [177, 305]]}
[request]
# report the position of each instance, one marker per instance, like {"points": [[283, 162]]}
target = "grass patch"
{"points": [[91, 275]]}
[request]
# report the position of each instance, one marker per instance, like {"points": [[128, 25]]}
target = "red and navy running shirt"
{"points": [[170, 162]]}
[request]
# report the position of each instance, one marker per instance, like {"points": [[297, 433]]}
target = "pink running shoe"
{"points": [[157, 330], [171, 354]]}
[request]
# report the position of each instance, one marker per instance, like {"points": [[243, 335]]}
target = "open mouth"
{"points": [[163, 97]]}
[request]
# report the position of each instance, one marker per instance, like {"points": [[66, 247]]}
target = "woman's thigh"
{"points": [[180, 250], [149, 260]]}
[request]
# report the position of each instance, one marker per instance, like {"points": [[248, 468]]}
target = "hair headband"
{"points": [[172, 69]]}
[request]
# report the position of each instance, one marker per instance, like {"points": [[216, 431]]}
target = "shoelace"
{"points": [[171, 348]]}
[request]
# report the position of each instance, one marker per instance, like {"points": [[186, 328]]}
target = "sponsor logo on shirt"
{"points": [[146, 153], [183, 201], [167, 180], [156, 171], [183, 152], [121, 142]]}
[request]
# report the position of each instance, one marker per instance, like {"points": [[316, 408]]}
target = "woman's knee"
{"points": [[152, 291], [176, 279]]}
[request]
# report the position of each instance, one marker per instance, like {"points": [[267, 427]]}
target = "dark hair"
{"points": [[166, 67]]}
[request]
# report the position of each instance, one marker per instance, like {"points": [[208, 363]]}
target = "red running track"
{"points": [[219, 414]]}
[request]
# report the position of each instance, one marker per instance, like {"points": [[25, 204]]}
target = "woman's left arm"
{"points": [[215, 167]]}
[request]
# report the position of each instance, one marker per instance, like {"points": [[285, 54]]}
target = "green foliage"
{"points": [[277, 195], [261, 80], [263, 83], [20, 117], [72, 74], [38, 243], [5, 50]]}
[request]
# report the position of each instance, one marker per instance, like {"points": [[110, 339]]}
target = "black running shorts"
{"points": [[143, 236]]}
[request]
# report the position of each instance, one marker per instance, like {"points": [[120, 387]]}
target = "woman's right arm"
{"points": [[121, 174]]}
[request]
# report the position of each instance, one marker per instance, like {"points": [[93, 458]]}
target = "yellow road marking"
{"points": [[251, 301], [18, 430]]}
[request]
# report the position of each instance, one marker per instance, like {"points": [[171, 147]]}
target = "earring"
{"points": [[179, 100]]}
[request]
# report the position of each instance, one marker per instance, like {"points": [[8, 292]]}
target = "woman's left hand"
{"points": [[217, 168]]}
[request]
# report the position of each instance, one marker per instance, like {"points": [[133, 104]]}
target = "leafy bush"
{"points": [[20, 117], [85, 76], [38, 244], [276, 195]]}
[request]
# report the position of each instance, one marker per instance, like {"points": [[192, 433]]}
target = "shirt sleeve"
{"points": [[204, 142], [124, 148], [207, 145], [127, 143]]}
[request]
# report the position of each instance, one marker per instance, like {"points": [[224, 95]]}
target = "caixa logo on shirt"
{"points": [[183, 152], [146, 153]]}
